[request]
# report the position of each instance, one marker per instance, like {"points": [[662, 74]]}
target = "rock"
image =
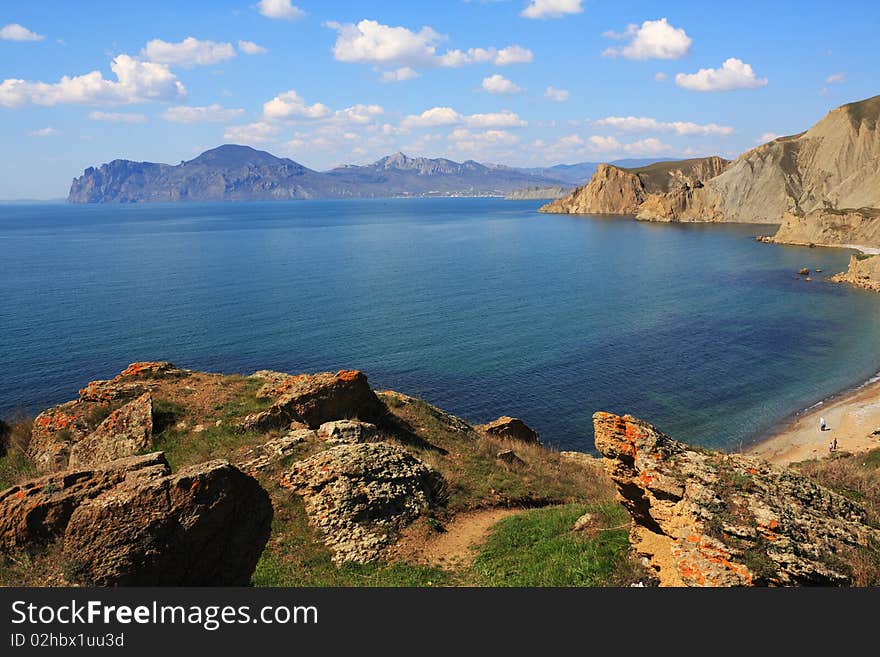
{"points": [[711, 519], [359, 495], [54, 433], [313, 399], [581, 458], [804, 272], [111, 391], [349, 431], [151, 369], [586, 521], [509, 456], [124, 432], [37, 511], [262, 457], [808, 279], [863, 272], [204, 526], [511, 428]]}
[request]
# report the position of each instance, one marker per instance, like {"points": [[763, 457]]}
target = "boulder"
{"points": [[151, 369], [584, 522], [509, 456], [37, 511], [111, 391], [313, 399], [53, 435], [358, 495], [348, 431], [204, 526], [511, 428], [260, 458], [125, 432], [705, 518]]}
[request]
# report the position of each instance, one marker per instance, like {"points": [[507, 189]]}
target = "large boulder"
{"points": [[54, 433], [349, 431], [263, 456], [37, 511], [312, 399], [358, 495], [204, 526], [510, 428], [125, 432], [705, 518]]}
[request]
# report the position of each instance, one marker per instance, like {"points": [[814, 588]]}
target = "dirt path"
{"points": [[453, 548]]}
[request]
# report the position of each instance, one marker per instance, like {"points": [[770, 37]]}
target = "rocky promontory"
{"points": [[863, 271], [829, 227]]}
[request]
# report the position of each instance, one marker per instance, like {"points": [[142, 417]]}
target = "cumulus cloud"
{"points": [[446, 116], [498, 84], [502, 119], [252, 133], [436, 116], [573, 147], [290, 105], [399, 74], [648, 146], [359, 114], [836, 78], [280, 9], [16, 32], [551, 8], [559, 95], [44, 132], [733, 74], [188, 53], [251, 48], [653, 40], [646, 124], [371, 42], [209, 114], [469, 141], [117, 117], [137, 82]]}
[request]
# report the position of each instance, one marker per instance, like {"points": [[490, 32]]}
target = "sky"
{"points": [[330, 82]]}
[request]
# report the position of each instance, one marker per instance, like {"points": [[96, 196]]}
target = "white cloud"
{"points": [[653, 40], [502, 119], [646, 124], [209, 114], [559, 95], [477, 142], [187, 53], [733, 74], [498, 84], [600, 143], [16, 32], [252, 133], [44, 132], [836, 78], [765, 137], [117, 117], [648, 146], [282, 9], [660, 76], [573, 148], [436, 116], [251, 48], [289, 105], [137, 82], [399, 74], [374, 43], [551, 8], [359, 114]]}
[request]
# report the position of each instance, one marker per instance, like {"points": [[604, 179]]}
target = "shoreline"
{"points": [[852, 416]]}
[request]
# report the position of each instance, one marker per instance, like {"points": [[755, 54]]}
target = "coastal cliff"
{"points": [[169, 476], [830, 227], [863, 271], [618, 190]]}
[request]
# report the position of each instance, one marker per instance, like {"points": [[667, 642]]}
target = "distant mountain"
{"points": [[241, 173]]}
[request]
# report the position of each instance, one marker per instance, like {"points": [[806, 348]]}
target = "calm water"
{"points": [[481, 306]]}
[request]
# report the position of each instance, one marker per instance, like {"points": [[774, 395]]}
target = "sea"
{"points": [[481, 306]]}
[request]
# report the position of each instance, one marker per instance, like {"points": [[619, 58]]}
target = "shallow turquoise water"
{"points": [[482, 306]]}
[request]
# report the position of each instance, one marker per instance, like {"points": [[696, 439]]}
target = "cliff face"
{"points": [[616, 190], [711, 519], [833, 164], [863, 271], [829, 227]]}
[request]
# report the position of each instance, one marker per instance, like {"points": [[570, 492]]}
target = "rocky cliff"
{"points": [[863, 271], [617, 190], [830, 227]]}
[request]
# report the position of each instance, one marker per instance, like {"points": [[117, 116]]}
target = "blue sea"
{"points": [[483, 307]]}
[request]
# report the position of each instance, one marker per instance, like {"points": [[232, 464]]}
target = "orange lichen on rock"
{"points": [[348, 375]]}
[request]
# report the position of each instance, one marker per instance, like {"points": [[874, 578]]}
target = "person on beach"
{"points": [[821, 424]]}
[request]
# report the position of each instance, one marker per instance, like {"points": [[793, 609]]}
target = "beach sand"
{"points": [[851, 418]]}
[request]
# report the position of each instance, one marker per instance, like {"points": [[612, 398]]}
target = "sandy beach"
{"points": [[851, 418]]}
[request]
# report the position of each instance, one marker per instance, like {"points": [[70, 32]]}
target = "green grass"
{"points": [[14, 467], [539, 548]]}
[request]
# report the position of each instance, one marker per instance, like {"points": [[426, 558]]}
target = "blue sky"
{"points": [[521, 82]]}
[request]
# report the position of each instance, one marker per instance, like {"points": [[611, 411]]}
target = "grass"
{"points": [[14, 463], [539, 548]]}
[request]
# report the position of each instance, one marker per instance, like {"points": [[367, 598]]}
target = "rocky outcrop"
{"points": [[829, 227], [54, 433], [204, 526], [510, 428], [125, 432], [863, 271], [37, 511], [359, 495], [261, 457], [349, 431], [710, 519], [312, 399], [617, 190]]}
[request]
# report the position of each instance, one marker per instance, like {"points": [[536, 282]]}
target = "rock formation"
{"points": [[348, 431], [359, 495], [829, 227], [710, 519], [510, 428], [863, 271], [124, 432], [536, 193]]}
